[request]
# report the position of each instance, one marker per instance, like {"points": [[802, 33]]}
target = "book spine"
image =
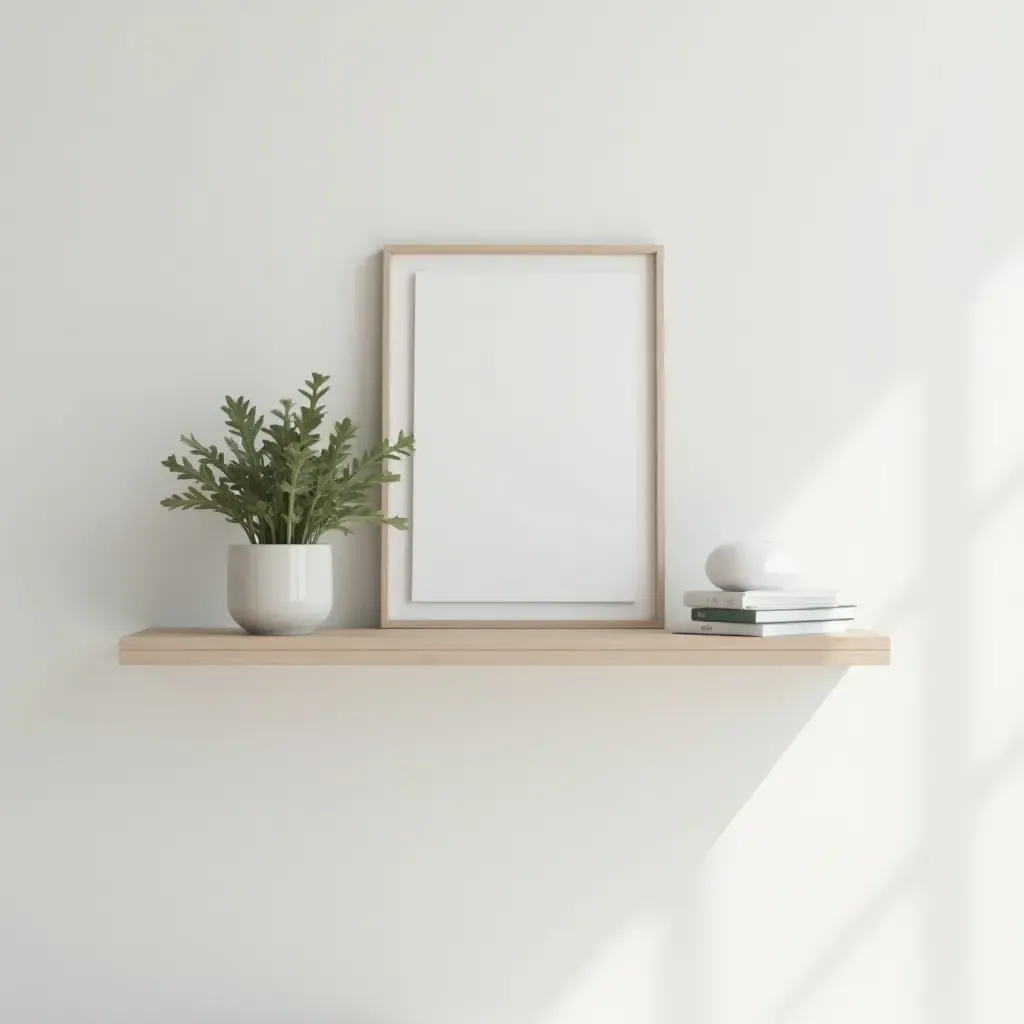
{"points": [[723, 615], [722, 628], [774, 615], [728, 600]]}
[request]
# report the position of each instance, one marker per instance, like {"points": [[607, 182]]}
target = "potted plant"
{"points": [[285, 490]]}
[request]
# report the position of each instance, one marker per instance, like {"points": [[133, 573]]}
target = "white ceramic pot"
{"points": [[752, 565], [285, 589]]}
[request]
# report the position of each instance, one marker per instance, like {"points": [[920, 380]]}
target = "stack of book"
{"points": [[765, 612]]}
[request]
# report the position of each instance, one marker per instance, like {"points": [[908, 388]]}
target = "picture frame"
{"points": [[532, 378]]}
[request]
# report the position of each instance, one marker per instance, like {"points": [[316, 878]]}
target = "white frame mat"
{"points": [[534, 373]]}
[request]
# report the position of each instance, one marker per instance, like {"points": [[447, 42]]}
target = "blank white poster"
{"points": [[524, 482]]}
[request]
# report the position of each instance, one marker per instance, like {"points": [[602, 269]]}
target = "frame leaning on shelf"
{"points": [[531, 376]]}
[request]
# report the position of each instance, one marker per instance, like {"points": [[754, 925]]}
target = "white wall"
{"points": [[193, 194]]}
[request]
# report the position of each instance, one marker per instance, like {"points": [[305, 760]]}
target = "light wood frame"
{"points": [[656, 254]]}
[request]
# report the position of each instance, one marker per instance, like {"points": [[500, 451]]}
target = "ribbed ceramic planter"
{"points": [[280, 589]]}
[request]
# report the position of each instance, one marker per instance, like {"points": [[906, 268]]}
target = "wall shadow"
{"points": [[463, 840]]}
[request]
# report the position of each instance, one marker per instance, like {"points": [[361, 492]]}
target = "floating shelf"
{"points": [[496, 647]]}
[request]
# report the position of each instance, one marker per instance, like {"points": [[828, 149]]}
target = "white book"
{"points": [[761, 629], [771, 599]]}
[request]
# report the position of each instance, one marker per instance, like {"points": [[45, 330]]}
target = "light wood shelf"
{"points": [[496, 647]]}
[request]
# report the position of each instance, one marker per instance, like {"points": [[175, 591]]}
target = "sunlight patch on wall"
{"points": [[805, 881], [880, 979], [623, 982], [996, 453], [993, 617], [857, 520], [996, 895], [993, 604]]}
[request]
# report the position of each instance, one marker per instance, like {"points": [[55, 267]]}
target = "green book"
{"points": [[839, 613]]}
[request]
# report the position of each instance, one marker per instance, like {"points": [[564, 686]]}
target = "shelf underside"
{"points": [[496, 647]]}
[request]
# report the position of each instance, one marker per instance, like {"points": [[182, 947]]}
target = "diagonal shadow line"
{"points": [[992, 504], [848, 939], [1001, 766], [908, 874], [902, 878], [991, 507]]}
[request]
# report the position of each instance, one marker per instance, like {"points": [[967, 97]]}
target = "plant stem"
{"points": [[291, 498], [291, 506], [307, 523]]}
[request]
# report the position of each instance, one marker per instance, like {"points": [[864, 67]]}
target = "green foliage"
{"points": [[277, 482]]}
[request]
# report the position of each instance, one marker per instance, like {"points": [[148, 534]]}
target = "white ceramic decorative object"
{"points": [[284, 589], [752, 565]]}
